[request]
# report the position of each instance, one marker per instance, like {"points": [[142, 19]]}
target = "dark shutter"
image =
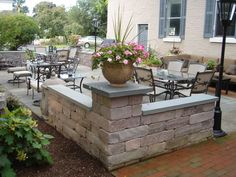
{"points": [[162, 20], [183, 19], [209, 18]]}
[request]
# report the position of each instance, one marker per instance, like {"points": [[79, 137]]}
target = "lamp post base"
{"points": [[219, 133]]}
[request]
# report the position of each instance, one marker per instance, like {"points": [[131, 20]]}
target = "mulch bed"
{"points": [[69, 160]]}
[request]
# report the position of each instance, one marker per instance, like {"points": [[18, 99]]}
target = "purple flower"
{"points": [[125, 62]]}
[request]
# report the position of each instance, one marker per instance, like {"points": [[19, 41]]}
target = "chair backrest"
{"points": [[62, 55], [72, 53], [201, 82], [175, 65], [72, 67], [193, 68], [144, 76], [40, 49]]}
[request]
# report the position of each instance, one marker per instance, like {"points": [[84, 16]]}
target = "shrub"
{"points": [[73, 39], [16, 30], [12, 103], [153, 59], [21, 141], [211, 64]]}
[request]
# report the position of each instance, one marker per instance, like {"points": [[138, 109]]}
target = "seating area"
{"points": [[47, 66]]}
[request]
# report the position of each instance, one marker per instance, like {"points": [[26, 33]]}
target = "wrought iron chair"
{"points": [[175, 65], [193, 68], [145, 77], [199, 85], [70, 75]]}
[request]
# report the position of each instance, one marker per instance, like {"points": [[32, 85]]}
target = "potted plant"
{"points": [[153, 60], [117, 59], [211, 64]]}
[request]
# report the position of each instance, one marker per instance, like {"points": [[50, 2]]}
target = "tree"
{"points": [[18, 6], [16, 30], [83, 15], [50, 18]]}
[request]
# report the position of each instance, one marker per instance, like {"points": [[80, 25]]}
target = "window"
{"points": [[213, 27], [172, 18]]}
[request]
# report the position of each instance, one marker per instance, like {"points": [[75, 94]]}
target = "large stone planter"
{"points": [[117, 73]]}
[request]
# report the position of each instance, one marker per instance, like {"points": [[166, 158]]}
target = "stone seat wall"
{"points": [[115, 127]]}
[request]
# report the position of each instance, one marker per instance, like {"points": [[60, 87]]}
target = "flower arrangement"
{"points": [[175, 51], [125, 53]]}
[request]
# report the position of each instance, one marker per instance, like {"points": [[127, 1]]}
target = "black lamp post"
{"points": [[226, 10], [95, 24]]}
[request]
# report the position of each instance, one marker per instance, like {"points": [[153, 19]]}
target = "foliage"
{"points": [[153, 59], [16, 30], [73, 39], [12, 103], [121, 34], [29, 54], [83, 13], [18, 6], [175, 51], [21, 141], [51, 19], [211, 64], [120, 53]]}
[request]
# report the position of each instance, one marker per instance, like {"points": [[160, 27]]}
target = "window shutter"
{"points": [[183, 19], [162, 21], [209, 18]]}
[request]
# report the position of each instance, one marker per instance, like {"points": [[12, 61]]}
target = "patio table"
{"points": [[168, 80]]}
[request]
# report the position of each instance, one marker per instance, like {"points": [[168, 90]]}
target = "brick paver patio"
{"points": [[214, 158]]}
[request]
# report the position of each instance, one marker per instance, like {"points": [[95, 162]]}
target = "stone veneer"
{"points": [[12, 58], [115, 127]]}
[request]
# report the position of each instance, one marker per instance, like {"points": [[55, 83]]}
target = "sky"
{"points": [[32, 3]]}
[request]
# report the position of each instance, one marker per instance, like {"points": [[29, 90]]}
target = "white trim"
{"points": [[172, 39], [230, 40]]}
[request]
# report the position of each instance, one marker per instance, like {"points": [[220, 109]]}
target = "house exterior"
{"points": [[191, 25], [6, 5]]}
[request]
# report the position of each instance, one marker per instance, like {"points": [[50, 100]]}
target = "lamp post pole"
{"points": [[95, 34], [218, 132]]}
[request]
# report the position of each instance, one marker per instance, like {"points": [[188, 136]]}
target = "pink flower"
{"points": [[139, 47], [98, 54], [146, 54], [118, 57], [109, 52], [125, 62], [139, 60], [109, 60], [127, 53]]}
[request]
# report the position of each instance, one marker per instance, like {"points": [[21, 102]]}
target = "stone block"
{"points": [[200, 117], [126, 156], [98, 120], [114, 149], [185, 112], [188, 129], [96, 107], [133, 144], [135, 100], [156, 127], [66, 111], [115, 102], [155, 149], [136, 110], [69, 123], [69, 133], [116, 113], [208, 124], [200, 136], [205, 107], [157, 138], [150, 119], [177, 122], [124, 135], [80, 130], [114, 126]]}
